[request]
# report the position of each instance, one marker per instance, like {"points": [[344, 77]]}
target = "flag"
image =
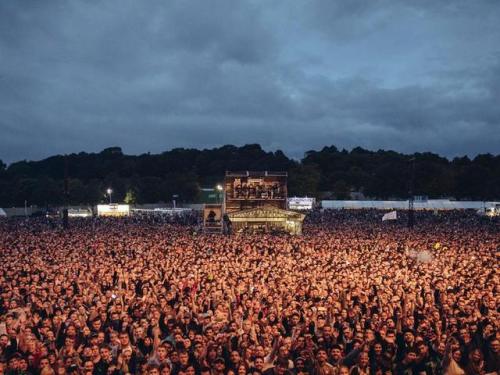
{"points": [[390, 216]]}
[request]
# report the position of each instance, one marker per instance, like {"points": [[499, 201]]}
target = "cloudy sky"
{"points": [[415, 75]]}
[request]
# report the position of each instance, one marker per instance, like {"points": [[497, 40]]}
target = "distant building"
{"points": [[210, 196]]}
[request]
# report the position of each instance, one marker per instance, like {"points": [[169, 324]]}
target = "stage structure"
{"points": [[247, 190], [267, 219], [257, 202], [212, 218]]}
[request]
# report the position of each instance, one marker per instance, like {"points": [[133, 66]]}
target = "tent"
{"points": [[2, 213], [431, 204]]}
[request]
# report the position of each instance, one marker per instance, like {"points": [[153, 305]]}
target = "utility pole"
{"points": [[66, 194], [411, 193]]}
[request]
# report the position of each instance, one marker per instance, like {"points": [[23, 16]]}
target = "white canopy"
{"points": [[2, 213], [431, 204]]}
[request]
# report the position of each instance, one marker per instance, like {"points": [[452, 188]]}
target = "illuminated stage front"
{"points": [[267, 219]]}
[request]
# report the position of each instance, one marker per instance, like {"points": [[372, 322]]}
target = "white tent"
{"points": [[2, 213], [431, 204]]}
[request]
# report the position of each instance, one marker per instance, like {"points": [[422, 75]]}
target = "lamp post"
{"points": [[219, 191], [109, 191]]}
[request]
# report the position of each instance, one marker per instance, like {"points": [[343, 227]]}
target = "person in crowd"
{"points": [[352, 295]]}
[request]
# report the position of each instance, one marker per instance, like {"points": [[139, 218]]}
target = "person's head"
{"points": [[190, 370], [369, 335], [101, 337], [178, 337], [465, 334], [124, 339], [283, 352], [281, 367], [87, 352], [44, 362], [409, 336], [71, 331], [105, 353], [259, 363], [96, 324], [47, 371], [14, 362], [69, 341], [336, 352], [299, 363], [300, 342], [411, 356], [88, 368], [165, 369], [148, 341], [242, 369], [377, 348], [294, 319], [363, 359], [441, 348], [347, 331], [344, 370], [153, 370], [209, 332], [162, 352], [456, 355], [183, 358], [495, 345], [321, 355], [211, 352], [390, 336], [235, 357], [127, 354], [476, 356], [259, 351], [174, 356], [423, 349], [4, 340], [23, 364], [327, 331], [219, 365]]}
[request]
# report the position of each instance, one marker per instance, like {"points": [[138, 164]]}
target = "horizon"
{"points": [[124, 153]]}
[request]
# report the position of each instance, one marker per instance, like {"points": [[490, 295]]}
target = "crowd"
{"points": [[353, 295], [245, 190], [187, 217]]}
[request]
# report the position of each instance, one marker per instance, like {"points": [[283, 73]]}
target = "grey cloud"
{"points": [[83, 75]]}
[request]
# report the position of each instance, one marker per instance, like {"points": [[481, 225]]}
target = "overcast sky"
{"points": [[295, 75]]}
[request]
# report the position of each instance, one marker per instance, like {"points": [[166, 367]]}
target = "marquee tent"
{"points": [[431, 204]]}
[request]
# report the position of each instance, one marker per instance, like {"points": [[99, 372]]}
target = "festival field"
{"points": [[353, 295]]}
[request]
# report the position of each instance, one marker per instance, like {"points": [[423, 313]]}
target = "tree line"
{"points": [[327, 173]]}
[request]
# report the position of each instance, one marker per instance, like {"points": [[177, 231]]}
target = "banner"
{"points": [[393, 215], [305, 203], [113, 209]]}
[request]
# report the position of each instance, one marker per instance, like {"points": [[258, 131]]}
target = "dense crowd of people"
{"points": [[352, 295], [261, 190]]}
